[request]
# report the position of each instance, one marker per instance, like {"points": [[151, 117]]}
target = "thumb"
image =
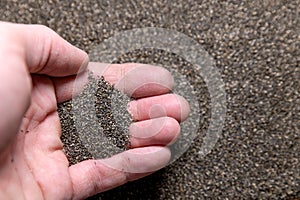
{"points": [[26, 49], [47, 53]]}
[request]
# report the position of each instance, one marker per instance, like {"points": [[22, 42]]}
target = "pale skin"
{"points": [[37, 71]]}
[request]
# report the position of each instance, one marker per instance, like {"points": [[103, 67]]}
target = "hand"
{"points": [[37, 71]]}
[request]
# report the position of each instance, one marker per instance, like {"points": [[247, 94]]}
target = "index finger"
{"points": [[134, 79]]}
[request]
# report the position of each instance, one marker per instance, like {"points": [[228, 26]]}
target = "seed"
{"points": [[95, 122]]}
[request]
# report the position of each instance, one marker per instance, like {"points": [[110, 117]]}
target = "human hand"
{"points": [[37, 71]]}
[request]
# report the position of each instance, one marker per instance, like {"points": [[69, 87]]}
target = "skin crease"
{"points": [[37, 71]]}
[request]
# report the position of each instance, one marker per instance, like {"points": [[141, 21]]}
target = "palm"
{"points": [[40, 147]]}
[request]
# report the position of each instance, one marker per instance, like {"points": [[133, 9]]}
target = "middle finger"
{"points": [[170, 105]]}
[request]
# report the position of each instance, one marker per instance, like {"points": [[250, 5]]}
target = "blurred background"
{"points": [[256, 47]]}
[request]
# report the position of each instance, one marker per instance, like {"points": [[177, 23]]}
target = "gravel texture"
{"points": [[255, 45]]}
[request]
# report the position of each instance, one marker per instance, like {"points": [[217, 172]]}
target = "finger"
{"points": [[160, 131], [43, 50], [141, 80], [95, 176], [136, 80], [47, 53], [170, 105], [28, 49]]}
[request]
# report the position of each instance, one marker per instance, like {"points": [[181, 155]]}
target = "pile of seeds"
{"points": [[96, 120]]}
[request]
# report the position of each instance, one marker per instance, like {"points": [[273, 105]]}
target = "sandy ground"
{"points": [[255, 46]]}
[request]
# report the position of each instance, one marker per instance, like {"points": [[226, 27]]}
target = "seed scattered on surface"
{"points": [[255, 45]]}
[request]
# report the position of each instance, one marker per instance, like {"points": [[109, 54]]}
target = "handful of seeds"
{"points": [[95, 123]]}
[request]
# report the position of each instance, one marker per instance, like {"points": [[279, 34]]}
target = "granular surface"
{"points": [[90, 127], [256, 47]]}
